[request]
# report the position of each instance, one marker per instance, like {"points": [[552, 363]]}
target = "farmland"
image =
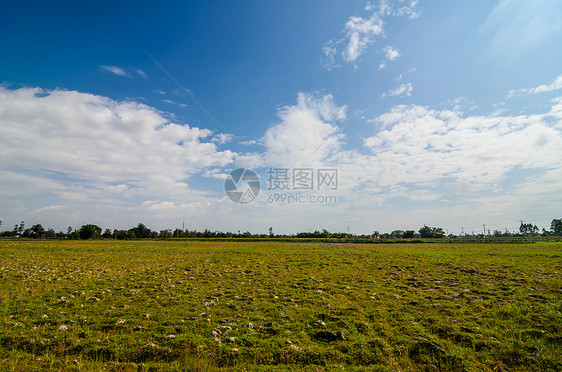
{"points": [[267, 305]]}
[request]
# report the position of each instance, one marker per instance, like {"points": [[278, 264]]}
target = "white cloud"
{"points": [[390, 53], [114, 70], [362, 31], [403, 89], [121, 72], [555, 85], [306, 133], [408, 8], [90, 159], [174, 103], [50, 208], [442, 161], [76, 147], [329, 51], [222, 138], [428, 146]]}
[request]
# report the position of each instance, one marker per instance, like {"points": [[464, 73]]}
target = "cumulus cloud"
{"points": [[443, 162], [84, 155], [427, 146], [82, 147], [306, 134]]}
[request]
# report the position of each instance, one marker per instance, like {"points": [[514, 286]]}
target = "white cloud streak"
{"points": [[141, 73], [555, 85], [402, 90], [174, 103], [114, 70]]}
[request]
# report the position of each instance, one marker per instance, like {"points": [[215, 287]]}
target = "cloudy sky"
{"points": [[440, 113]]}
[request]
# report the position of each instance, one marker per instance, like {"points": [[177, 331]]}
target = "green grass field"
{"points": [[196, 305]]}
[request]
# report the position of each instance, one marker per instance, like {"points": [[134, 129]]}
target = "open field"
{"points": [[180, 305]]}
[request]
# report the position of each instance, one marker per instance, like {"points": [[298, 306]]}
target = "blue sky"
{"points": [[440, 113]]}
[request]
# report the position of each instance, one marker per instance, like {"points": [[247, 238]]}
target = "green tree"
{"points": [[18, 230], [37, 231], [73, 235], [431, 232], [178, 233], [556, 227], [140, 232], [528, 229], [120, 234], [409, 234], [89, 232]]}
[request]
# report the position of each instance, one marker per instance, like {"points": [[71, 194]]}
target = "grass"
{"points": [[212, 305]]}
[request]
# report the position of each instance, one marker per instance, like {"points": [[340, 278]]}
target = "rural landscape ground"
{"points": [[269, 305]]}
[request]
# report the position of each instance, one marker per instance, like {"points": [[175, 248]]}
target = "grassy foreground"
{"points": [[177, 305]]}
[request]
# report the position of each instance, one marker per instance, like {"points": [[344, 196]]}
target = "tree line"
{"points": [[90, 231]]}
